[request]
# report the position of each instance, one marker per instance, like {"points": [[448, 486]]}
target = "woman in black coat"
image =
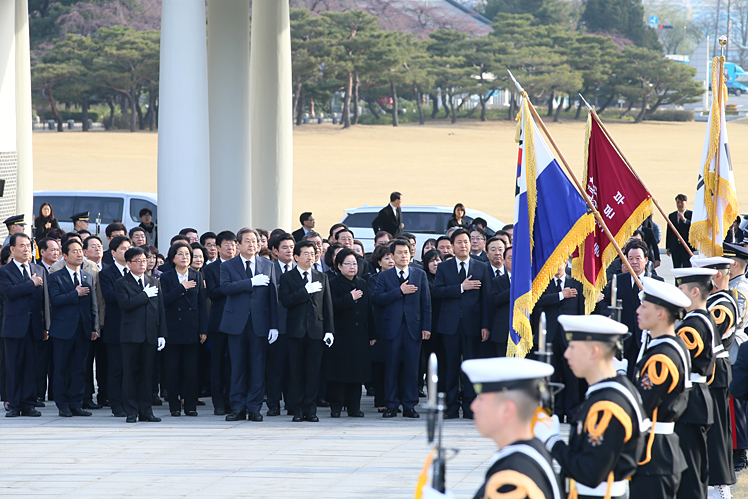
{"points": [[346, 364], [44, 222], [187, 324], [380, 260]]}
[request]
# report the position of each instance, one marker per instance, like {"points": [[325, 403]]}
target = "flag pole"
{"points": [[631, 169], [587, 199], [715, 222]]}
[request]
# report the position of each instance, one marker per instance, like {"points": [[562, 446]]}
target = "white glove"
{"points": [[428, 492], [548, 431], [260, 280], [272, 336], [621, 366], [161, 343], [313, 287], [151, 291], [328, 339]]}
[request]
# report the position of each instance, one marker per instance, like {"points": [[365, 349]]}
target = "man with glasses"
{"points": [[307, 225], [142, 332], [208, 240], [346, 238], [478, 244]]}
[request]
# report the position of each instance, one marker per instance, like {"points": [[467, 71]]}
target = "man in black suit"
{"points": [[478, 244], [563, 296], [220, 364], [276, 379], [49, 249], [250, 319], [114, 229], [74, 323], [112, 318], [500, 289], [681, 219], [23, 290], [627, 291], [142, 332], [390, 218], [307, 225], [464, 286], [305, 293]]}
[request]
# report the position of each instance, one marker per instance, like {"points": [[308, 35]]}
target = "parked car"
{"points": [[111, 206], [424, 222]]}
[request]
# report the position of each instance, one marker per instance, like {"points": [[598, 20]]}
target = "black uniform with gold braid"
{"points": [[606, 443], [723, 308], [697, 332]]}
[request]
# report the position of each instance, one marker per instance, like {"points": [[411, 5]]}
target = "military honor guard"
{"points": [[15, 225], [697, 330], [739, 288], [80, 221], [508, 392], [721, 304], [663, 378], [606, 443]]}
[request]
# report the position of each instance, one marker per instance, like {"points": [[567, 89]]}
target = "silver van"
{"points": [[110, 206]]}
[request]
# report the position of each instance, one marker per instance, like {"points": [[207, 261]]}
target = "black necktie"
{"points": [[26, 276], [76, 282], [496, 273], [304, 275], [140, 282], [285, 267], [402, 277], [463, 274], [249, 270], [558, 285]]}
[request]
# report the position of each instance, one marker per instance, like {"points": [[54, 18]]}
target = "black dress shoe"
{"points": [[191, 414], [467, 414], [30, 412], [120, 414], [411, 413], [355, 414], [297, 418], [79, 412], [451, 415], [323, 403], [39, 403], [334, 414], [390, 413], [65, 413], [131, 419], [236, 416], [156, 401], [91, 405], [219, 412], [150, 418], [104, 403], [421, 393], [12, 413], [176, 414], [200, 402], [312, 418], [254, 416], [274, 411]]}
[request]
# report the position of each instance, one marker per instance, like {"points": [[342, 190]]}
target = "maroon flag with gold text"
{"points": [[623, 202]]}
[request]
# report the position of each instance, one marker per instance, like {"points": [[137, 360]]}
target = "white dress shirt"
{"points": [[308, 274], [403, 273], [394, 210], [251, 264], [21, 267], [122, 269], [283, 266], [74, 274], [183, 278]]}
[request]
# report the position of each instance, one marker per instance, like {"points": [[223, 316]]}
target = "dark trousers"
{"points": [[568, 399], [434, 345], [739, 424], [500, 348], [114, 377], [719, 436], [180, 364], [44, 370], [377, 382], [247, 369], [344, 394], [275, 371], [97, 354], [693, 444], [203, 369], [681, 259], [459, 347], [220, 370], [654, 486], [402, 349], [3, 374], [137, 377], [305, 361], [21, 364], [70, 369]]}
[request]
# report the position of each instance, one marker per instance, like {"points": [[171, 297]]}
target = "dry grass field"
{"points": [[473, 163]]}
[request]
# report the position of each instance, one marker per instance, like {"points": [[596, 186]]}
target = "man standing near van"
{"points": [[390, 218]]}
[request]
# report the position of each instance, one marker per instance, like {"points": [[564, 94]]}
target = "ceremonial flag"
{"points": [[716, 205], [623, 202], [550, 222]]}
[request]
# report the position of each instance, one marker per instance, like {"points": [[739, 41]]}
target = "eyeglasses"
{"points": [[478, 238], [139, 260]]}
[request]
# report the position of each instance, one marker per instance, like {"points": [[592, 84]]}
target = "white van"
{"points": [[111, 206]]}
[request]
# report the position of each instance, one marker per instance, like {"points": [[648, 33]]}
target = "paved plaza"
{"points": [[102, 456]]}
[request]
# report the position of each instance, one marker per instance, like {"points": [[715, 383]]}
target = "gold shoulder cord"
{"points": [[666, 366], [719, 313], [524, 487], [692, 339]]}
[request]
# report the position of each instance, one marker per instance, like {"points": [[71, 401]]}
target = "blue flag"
{"points": [[550, 222]]}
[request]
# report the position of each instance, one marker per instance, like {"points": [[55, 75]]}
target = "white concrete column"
{"points": [[8, 148], [270, 104], [24, 126], [183, 147], [228, 90]]}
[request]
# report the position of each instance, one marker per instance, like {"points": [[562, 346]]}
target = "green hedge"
{"points": [[71, 115], [671, 115]]}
